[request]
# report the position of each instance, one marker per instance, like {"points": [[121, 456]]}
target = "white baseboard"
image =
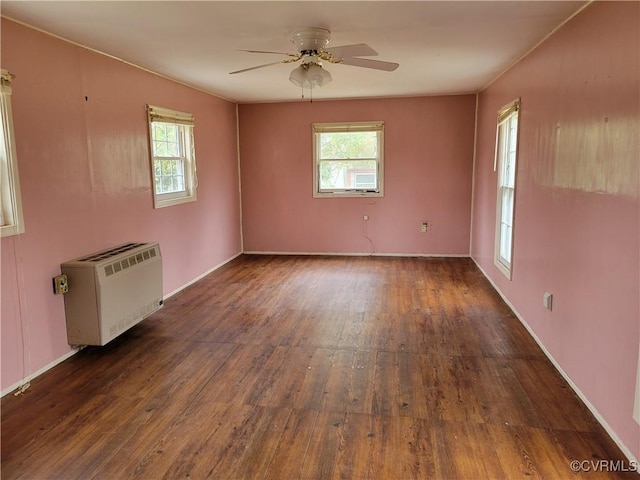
{"points": [[361, 254], [72, 352], [575, 388], [27, 379], [199, 277], [630, 456]]}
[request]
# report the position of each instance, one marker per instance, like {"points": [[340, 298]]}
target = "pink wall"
{"points": [[86, 185], [577, 203], [428, 169]]}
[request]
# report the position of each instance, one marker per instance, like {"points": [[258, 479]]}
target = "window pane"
{"points": [[344, 174], [349, 145], [166, 140], [513, 130], [173, 158], [11, 218], [5, 199], [506, 161], [165, 184], [173, 149], [169, 176], [510, 173], [506, 209], [159, 149], [172, 133], [159, 132], [166, 167], [505, 244]]}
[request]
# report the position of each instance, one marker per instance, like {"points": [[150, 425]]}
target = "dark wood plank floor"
{"points": [[311, 368]]}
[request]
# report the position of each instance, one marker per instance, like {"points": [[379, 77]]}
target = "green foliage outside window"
{"points": [[341, 152]]}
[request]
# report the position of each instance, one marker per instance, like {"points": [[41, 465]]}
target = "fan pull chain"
{"points": [[310, 94]]}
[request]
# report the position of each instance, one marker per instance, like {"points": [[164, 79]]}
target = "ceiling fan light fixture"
{"points": [[311, 49], [310, 75]]}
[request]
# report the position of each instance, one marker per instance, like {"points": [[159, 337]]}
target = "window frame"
{"points": [[506, 157], [186, 140], [344, 127], [11, 216]]}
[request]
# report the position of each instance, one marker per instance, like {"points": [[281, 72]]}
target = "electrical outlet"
{"points": [[424, 227], [547, 300], [60, 284], [365, 217]]}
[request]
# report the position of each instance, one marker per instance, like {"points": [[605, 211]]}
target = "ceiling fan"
{"points": [[311, 44]]}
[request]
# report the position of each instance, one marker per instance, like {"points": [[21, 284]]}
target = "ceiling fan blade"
{"points": [[356, 50], [255, 68], [366, 63], [265, 51]]}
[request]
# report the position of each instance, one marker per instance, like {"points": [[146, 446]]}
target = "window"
{"points": [[11, 221], [173, 161], [348, 159], [505, 162]]}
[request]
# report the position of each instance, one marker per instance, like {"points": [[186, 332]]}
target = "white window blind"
{"points": [[159, 114]]}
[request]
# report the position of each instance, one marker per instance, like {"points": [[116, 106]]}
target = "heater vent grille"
{"points": [[130, 261], [111, 252]]}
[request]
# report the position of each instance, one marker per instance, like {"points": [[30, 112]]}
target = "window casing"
{"points": [[11, 219], [505, 163], [173, 162], [348, 159]]}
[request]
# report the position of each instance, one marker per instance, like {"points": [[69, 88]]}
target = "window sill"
{"points": [[500, 266], [11, 230], [347, 194], [159, 202]]}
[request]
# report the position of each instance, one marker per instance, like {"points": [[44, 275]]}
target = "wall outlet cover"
{"points": [[60, 284], [547, 300]]}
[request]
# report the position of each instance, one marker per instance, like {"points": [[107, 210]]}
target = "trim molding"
{"points": [[528, 52], [72, 352], [113, 57], [574, 387], [201, 276], [37, 373], [360, 254]]}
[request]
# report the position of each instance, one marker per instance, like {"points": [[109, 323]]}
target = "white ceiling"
{"points": [[442, 47]]}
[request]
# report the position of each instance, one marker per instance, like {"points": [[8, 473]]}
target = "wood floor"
{"points": [[311, 368]]}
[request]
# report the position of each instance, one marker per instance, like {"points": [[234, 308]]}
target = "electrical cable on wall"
{"points": [[366, 235], [22, 310], [365, 232]]}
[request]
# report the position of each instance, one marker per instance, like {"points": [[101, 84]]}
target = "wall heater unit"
{"points": [[110, 291]]}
